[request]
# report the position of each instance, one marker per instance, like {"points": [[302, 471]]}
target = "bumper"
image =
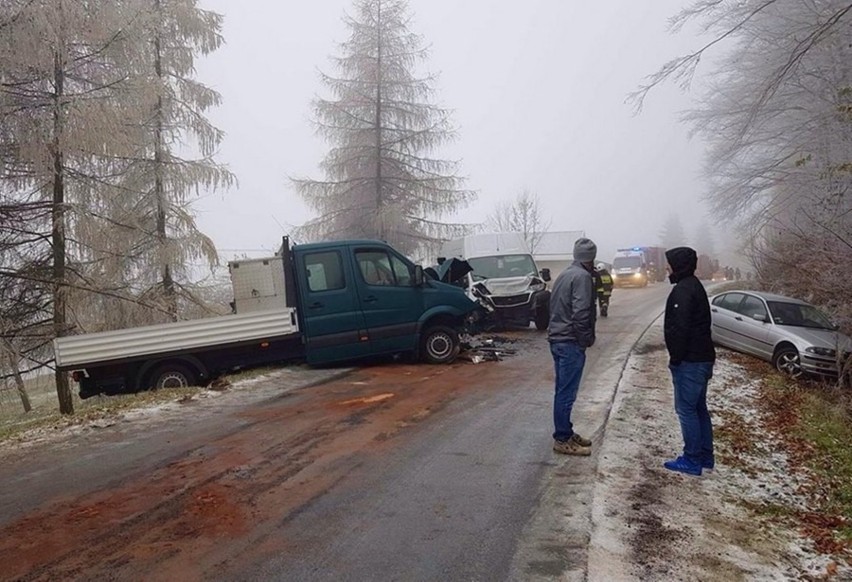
{"points": [[818, 366], [632, 280]]}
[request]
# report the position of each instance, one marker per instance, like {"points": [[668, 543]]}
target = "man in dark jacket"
{"points": [[691, 358], [571, 331]]}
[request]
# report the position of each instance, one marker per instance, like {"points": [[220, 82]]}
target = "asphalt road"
{"points": [[385, 472]]}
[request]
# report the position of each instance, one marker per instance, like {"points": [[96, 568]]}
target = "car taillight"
{"points": [[77, 375]]}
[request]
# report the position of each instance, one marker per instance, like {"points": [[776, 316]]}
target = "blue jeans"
{"points": [[568, 359], [690, 398]]}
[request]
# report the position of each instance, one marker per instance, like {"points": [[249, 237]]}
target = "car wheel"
{"points": [[787, 361], [439, 345], [172, 376]]}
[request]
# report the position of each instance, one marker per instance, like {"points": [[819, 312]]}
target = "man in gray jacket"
{"points": [[571, 331]]}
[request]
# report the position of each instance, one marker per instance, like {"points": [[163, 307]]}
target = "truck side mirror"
{"points": [[418, 276], [545, 274]]}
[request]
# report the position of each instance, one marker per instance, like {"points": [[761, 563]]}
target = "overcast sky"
{"points": [[537, 89]]}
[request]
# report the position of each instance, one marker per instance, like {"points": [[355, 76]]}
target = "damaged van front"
{"points": [[498, 271]]}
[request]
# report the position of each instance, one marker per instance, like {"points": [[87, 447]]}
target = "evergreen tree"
{"points": [[151, 210], [672, 234], [380, 179], [704, 241], [96, 98]]}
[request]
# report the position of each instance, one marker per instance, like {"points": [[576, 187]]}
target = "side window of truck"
{"points": [[324, 271], [403, 274], [375, 267]]}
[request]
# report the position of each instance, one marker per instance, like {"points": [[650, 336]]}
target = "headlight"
{"points": [[826, 352], [638, 275], [537, 287]]}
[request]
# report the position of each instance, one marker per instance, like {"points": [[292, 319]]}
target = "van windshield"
{"points": [[502, 266], [626, 262]]}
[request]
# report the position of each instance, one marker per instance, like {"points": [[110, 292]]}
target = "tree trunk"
{"points": [[379, 201], [63, 390], [12, 361], [169, 292]]}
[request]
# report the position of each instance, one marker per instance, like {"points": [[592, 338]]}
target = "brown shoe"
{"points": [[571, 447], [580, 440]]}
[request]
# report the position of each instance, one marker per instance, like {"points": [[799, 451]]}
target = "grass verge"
{"points": [[15, 424], [813, 420]]}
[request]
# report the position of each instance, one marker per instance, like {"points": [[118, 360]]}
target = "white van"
{"points": [[504, 277]]}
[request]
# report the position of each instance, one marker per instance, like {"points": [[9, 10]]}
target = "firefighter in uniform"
{"points": [[603, 287]]}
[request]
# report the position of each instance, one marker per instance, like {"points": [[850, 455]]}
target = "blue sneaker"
{"points": [[708, 464], [683, 465]]}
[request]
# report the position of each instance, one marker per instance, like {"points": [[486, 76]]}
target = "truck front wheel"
{"points": [[439, 345], [172, 376]]}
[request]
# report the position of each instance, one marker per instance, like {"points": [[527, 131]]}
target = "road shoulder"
{"points": [[651, 524]]}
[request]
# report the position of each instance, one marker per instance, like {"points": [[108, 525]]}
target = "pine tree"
{"points": [[60, 133], [153, 207], [380, 179], [672, 234]]}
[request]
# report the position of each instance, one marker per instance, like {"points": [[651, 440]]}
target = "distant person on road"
{"points": [[571, 331], [603, 287], [691, 358]]}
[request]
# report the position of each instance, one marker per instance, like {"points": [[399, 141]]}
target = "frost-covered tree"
{"points": [[96, 98], [776, 115], [523, 215], [61, 138], [381, 179], [168, 111], [672, 234], [705, 243]]}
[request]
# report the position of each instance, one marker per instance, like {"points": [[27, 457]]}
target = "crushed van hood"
{"points": [[508, 286], [452, 270]]}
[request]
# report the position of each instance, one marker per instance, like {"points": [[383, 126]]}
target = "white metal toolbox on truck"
{"points": [[258, 284]]}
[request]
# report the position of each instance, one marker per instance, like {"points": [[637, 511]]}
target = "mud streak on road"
{"points": [[228, 500]]}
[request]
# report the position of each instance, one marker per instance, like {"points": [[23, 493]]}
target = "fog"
{"points": [[538, 93]]}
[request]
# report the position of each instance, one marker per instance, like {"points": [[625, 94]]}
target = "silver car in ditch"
{"points": [[795, 336]]}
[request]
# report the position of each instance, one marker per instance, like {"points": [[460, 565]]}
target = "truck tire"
{"points": [[172, 376], [439, 345], [542, 316]]}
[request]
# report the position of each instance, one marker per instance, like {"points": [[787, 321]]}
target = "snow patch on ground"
{"points": [[652, 524]]}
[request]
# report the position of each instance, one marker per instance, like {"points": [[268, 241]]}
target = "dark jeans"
{"points": [[690, 397], [568, 360]]}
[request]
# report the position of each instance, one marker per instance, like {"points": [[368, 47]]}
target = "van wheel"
{"points": [[439, 345], [786, 361], [542, 317], [172, 376]]}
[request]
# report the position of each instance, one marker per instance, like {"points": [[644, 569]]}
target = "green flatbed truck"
{"points": [[344, 300]]}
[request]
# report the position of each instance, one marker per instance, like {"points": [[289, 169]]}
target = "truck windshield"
{"points": [[502, 266], [626, 262]]}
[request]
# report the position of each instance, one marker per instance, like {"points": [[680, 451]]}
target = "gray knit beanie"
{"points": [[585, 250]]}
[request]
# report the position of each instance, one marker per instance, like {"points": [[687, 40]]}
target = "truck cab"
{"points": [[504, 277], [362, 298]]}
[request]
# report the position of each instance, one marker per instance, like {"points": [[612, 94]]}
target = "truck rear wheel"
{"points": [[172, 376], [439, 345]]}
